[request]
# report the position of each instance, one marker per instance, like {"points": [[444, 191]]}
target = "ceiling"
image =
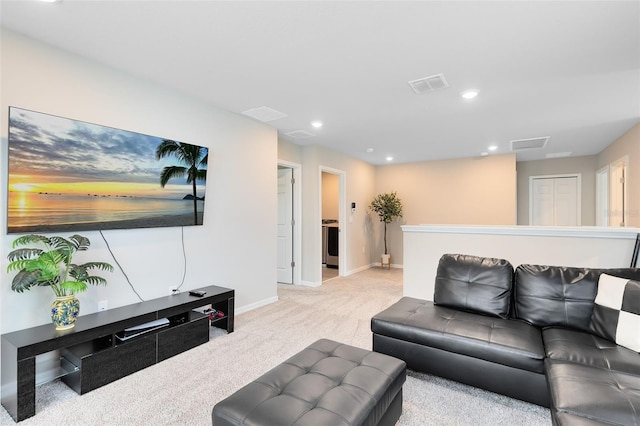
{"points": [[565, 69]]}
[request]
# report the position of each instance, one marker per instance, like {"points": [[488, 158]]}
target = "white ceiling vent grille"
{"points": [[558, 154], [300, 134], [429, 84], [533, 143], [264, 114]]}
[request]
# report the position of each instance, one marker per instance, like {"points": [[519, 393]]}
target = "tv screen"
{"points": [[67, 175]]}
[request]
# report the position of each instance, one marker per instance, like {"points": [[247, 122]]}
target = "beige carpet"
{"points": [[329, 273], [182, 390]]}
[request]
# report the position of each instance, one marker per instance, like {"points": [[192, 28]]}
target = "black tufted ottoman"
{"points": [[328, 383]]}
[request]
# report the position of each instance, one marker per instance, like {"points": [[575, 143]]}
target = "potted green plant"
{"points": [[47, 263], [388, 207]]}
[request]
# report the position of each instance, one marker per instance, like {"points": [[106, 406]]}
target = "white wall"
{"points": [[360, 178], [460, 191], [235, 248], [357, 227], [330, 196], [290, 152], [627, 145], [585, 166], [563, 246]]}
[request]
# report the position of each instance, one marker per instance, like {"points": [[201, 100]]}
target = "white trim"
{"points": [[360, 269], [310, 283], [602, 197], [297, 217], [578, 176], [393, 265], [624, 160], [538, 231], [256, 305]]}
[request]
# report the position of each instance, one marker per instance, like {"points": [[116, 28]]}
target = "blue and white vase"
{"points": [[64, 311]]}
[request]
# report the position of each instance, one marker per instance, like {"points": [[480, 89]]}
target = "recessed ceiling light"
{"points": [[469, 94], [484, 154], [317, 124], [49, 1], [493, 148], [369, 150], [389, 158]]}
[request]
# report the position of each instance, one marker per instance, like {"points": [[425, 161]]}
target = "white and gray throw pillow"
{"points": [[616, 313]]}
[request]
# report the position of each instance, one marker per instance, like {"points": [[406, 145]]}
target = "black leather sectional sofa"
{"points": [[526, 333]]}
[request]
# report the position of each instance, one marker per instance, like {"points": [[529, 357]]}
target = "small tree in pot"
{"points": [[48, 264], [388, 207]]}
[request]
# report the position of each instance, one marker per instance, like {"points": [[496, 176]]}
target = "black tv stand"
{"points": [[93, 354]]}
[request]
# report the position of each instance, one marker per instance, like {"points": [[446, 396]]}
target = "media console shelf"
{"points": [[94, 351]]}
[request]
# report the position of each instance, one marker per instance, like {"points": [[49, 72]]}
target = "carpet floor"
{"points": [[182, 390]]}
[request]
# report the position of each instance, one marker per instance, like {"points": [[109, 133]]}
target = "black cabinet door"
{"points": [[182, 337], [111, 364]]}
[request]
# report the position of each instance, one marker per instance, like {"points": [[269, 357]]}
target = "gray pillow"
{"points": [[474, 284]]}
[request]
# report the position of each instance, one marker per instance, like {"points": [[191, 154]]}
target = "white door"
{"points": [[618, 193], [555, 201], [542, 206], [566, 196], [285, 226], [602, 197]]}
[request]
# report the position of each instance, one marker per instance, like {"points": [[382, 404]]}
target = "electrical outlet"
{"points": [[103, 305]]}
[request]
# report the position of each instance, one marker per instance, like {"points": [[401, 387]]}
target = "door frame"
{"points": [[624, 160], [297, 218], [342, 218], [602, 196], [578, 176]]}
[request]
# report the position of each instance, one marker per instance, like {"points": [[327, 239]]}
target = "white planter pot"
{"points": [[385, 260]]}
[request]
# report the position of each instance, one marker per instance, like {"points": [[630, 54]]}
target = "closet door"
{"points": [[554, 201]]}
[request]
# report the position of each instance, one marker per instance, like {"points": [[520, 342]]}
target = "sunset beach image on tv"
{"points": [[67, 175]]}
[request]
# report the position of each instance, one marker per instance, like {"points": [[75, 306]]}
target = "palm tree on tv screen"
{"points": [[192, 157]]}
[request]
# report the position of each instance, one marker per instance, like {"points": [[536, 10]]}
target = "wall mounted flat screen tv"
{"points": [[67, 175]]}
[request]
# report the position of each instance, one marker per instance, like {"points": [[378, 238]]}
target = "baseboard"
{"points": [[393, 265], [351, 272], [256, 305], [360, 269]]}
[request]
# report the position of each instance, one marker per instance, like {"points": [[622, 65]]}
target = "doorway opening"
{"points": [[332, 223], [289, 237]]}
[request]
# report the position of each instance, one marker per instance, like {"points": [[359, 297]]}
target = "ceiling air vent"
{"points": [[429, 84], [264, 114], [533, 143], [558, 154], [300, 134]]}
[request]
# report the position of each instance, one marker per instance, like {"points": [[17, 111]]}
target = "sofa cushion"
{"points": [[474, 284], [562, 344], [503, 341], [593, 394], [558, 295], [616, 313]]}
